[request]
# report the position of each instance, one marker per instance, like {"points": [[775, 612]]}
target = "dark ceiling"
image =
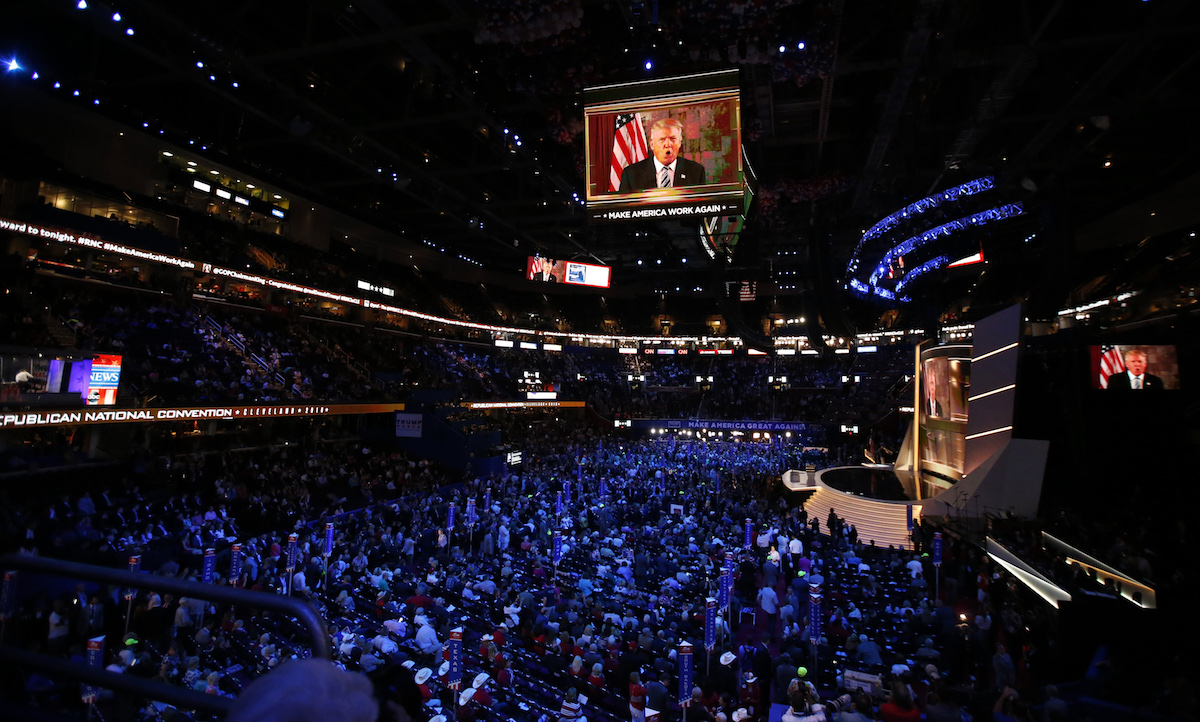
{"points": [[396, 111]]}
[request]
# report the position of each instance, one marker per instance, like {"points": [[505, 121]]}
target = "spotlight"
{"points": [[649, 64], [35, 76], [82, 4], [800, 45], [116, 17], [199, 63], [782, 49], [13, 65], [129, 32]]}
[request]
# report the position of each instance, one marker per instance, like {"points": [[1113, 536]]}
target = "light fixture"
{"points": [[116, 17]]}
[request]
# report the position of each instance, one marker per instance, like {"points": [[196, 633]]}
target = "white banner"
{"points": [[408, 425]]}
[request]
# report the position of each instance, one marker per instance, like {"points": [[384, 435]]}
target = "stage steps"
{"points": [[882, 521]]}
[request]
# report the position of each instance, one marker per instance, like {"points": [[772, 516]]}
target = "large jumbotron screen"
{"points": [[945, 377], [664, 148]]}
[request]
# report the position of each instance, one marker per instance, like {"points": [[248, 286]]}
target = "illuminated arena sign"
{"points": [[41, 419]]}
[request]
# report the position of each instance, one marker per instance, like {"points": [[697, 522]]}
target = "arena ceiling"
{"points": [[408, 114]]}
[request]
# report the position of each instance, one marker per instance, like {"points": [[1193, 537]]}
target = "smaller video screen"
{"points": [[1134, 367]]}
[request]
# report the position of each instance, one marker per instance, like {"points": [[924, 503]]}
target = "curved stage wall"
{"points": [[882, 520]]}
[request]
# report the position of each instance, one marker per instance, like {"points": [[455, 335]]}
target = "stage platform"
{"points": [[875, 499]]}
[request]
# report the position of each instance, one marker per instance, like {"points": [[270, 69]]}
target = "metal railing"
{"points": [[145, 688]]}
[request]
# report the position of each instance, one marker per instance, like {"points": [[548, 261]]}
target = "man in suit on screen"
{"points": [[1134, 377], [665, 169]]}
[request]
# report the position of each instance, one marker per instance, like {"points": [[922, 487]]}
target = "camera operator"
{"points": [[805, 705]]}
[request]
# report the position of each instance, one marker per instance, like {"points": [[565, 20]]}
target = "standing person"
{"points": [[665, 169], [768, 600], [56, 637], [637, 698], [1002, 665]]}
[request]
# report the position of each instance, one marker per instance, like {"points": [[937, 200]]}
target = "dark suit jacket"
{"points": [[1120, 382], [641, 176]]}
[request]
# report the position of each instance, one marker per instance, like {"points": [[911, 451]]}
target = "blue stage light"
{"points": [[800, 45], [116, 17], [649, 64], [13, 65], [82, 5], [35, 76], [129, 32], [782, 49]]}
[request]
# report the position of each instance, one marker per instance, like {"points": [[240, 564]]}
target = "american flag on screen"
{"points": [[1110, 363], [629, 146]]}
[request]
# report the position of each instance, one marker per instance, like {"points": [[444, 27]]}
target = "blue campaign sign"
{"points": [[328, 538], [291, 552], [95, 658], [472, 517], [558, 504], [487, 498], [729, 562], [710, 623], [8, 595], [235, 563], [135, 564], [579, 472], [814, 613], [725, 588], [209, 570], [603, 489], [566, 492], [558, 542], [685, 674], [450, 516], [454, 676], [937, 549], [748, 542]]}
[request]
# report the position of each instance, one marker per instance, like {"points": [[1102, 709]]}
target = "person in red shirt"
{"points": [[596, 678], [750, 694], [503, 673], [637, 698], [499, 634], [422, 679], [899, 707]]}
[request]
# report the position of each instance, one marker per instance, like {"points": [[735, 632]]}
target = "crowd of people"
{"points": [[644, 528]]}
